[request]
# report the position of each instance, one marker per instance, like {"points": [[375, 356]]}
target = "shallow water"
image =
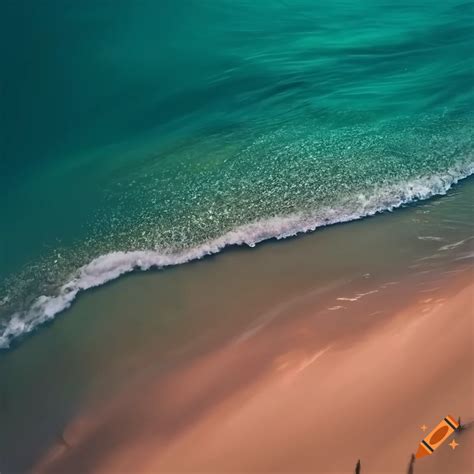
{"points": [[165, 126], [341, 278], [145, 135]]}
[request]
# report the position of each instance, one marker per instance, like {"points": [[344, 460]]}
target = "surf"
{"points": [[111, 266]]}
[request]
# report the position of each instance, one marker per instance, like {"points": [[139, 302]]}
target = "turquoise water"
{"points": [[151, 133]]}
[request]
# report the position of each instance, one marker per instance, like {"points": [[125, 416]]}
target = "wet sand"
{"points": [[276, 401], [234, 362]]}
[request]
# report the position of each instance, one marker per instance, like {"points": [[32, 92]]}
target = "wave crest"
{"points": [[112, 265]]}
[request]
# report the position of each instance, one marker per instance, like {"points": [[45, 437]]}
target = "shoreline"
{"points": [[238, 237], [294, 296], [111, 266], [195, 419]]}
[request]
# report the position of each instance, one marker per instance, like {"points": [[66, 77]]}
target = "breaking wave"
{"points": [[112, 265]]}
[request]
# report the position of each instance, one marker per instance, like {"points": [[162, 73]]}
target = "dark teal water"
{"points": [[140, 134]]}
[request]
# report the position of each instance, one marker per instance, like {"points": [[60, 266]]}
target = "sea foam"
{"points": [[112, 265]]}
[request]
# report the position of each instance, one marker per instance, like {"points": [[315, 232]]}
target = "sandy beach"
{"points": [[301, 355], [237, 236], [276, 401]]}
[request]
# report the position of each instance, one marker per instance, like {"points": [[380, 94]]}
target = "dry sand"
{"points": [[274, 402]]}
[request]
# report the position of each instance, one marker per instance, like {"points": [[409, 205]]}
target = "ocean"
{"points": [[139, 135]]}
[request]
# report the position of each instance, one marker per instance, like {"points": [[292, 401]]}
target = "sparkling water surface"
{"points": [[166, 130]]}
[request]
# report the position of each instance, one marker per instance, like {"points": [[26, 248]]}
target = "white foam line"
{"points": [[465, 256], [358, 296], [453, 272], [455, 244], [430, 237], [306, 363], [112, 265]]}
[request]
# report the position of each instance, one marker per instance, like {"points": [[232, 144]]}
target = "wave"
{"points": [[112, 265]]}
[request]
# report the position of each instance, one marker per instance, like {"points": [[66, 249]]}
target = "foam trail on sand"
{"points": [[112, 265]]}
